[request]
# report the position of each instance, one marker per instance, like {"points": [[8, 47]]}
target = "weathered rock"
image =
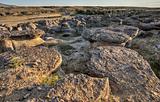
{"points": [[148, 47], [149, 26], [19, 27], [8, 26], [71, 88], [50, 41], [15, 44], [4, 34], [104, 35], [27, 34], [6, 45], [80, 27], [29, 94], [80, 44], [130, 76], [147, 20], [31, 26], [145, 34], [94, 21], [3, 28], [26, 67], [80, 88], [27, 43], [111, 35], [129, 30], [47, 23], [47, 58], [65, 25], [131, 21], [16, 39]]}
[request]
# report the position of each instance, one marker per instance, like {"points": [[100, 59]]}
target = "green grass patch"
{"points": [[15, 62], [51, 80]]}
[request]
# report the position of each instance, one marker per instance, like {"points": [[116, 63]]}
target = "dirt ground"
{"points": [[13, 20]]}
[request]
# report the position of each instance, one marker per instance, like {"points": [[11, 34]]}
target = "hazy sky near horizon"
{"points": [[139, 3]]}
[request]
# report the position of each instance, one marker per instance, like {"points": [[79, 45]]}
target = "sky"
{"points": [[139, 3]]}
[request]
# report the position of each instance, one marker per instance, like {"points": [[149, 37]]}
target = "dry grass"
{"points": [[51, 80], [15, 62]]}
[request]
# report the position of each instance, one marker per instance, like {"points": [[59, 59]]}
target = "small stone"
{"points": [[39, 88], [158, 46], [31, 26], [19, 28], [26, 96]]}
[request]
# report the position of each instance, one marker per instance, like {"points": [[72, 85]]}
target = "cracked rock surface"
{"points": [[26, 67], [113, 35], [80, 88], [130, 76]]}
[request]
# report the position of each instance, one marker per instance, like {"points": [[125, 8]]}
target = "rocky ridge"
{"points": [[81, 58]]}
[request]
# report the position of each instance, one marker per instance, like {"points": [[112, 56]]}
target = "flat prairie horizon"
{"points": [[128, 3]]}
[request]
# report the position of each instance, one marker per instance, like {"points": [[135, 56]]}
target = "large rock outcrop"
{"points": [[115, 35], [131, 77], [148, 45], [149, 26], [26, 67], [70, 88], [18, 39]]}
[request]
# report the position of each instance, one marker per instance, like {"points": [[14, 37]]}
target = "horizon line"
{"points": [[82, 6]]}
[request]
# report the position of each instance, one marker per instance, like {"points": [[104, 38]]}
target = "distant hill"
{"points": [[5, 5]]}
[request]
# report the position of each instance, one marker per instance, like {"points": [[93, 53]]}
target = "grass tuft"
{"points": [[15, 62], [51, 80]]}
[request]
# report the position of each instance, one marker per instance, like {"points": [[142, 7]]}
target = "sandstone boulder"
{"points": [[111, 35], [129, 30], [31, 25], [4, 34], [24, 68], [35, 93], [48, 23], [3, 28], [15, 44], [50, 41], [65, 27], [18, 39], [149, 47], [149, 26], [131, 77], [27, 34], [70, 88], [6, 45], [27, 43], [80, 88]]}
